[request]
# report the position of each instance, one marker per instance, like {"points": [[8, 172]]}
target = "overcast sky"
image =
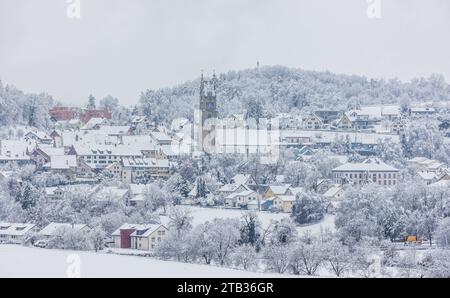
{"points": [[122, 47]]}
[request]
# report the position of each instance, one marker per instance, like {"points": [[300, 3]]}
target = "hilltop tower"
{"points": [[206, 115]]}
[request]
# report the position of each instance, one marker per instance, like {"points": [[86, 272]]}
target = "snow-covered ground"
{"points": [[202, 215], [19, 261]]}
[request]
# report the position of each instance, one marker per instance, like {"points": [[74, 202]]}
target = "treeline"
{"points": [[19, 108], [280, 89]]}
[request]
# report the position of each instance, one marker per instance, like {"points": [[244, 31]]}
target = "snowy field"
{"points": [[19, 261], [202, 215]]}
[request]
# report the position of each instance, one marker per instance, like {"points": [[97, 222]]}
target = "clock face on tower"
{"points": [[210, 106]]}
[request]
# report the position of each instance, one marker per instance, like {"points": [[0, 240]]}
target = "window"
{"points": [[153, 239]]}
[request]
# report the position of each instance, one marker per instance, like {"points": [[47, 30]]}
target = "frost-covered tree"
{"points": [[176, 184], [180, 220], [97, 237], [308, 208], [250, 229], [71, 239], [337, 257], [442, 234], [284, 232], [155, 197], [224, 236], [245, 257], [276, 257], [306, 256]]}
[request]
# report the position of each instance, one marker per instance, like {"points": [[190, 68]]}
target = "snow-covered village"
{"points": [[267, 171]]}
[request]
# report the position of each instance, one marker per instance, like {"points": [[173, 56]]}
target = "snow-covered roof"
{"points": [[145, 163], [333, 191], [63, 162], [93, 122], [108, 150], [244, 193], [39, 135], [285, 198], [161, 136], [51, 228], [168, 150], [140, 142], [280, 189], [11, 150], [232, 187], [422, 110], [110, 193], [137, 189], [427, 175], [50, 150], [144, 229], [87, 137], [15, 229], [441, 183], [296, 190], [242, 179], [114, 130], [325, 136], [365, 167]]}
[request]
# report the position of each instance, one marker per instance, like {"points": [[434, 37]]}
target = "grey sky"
{"points": [[122, 47]]}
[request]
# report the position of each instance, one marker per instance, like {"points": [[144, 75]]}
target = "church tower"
{"points": [[206, 115]]}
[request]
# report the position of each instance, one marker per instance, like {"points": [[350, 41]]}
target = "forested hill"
{"points": [[281, 89]]}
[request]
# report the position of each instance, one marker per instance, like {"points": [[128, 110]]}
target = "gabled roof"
{"points": [[145, 229], [240, 194], [232, 187], [114, 130], [366, 167], [334, 190], [39, 134], [15, 229], [280, 189], [160, 136], [286, 198], [51, 228], [242, 179], [145, 162]]}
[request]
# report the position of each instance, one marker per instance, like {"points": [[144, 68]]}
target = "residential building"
{"points": [[16, 233], [144, 169], [140, 237], [241, 199], [312, 122], [39, 137], [285, 203], [371, 170], [100, 156]]}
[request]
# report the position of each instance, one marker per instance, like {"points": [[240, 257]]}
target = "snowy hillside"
{"points": [[18, 261]]}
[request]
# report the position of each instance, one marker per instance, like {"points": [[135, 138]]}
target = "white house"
{"points": [[16, 233], [139, 236], [240, 199]]}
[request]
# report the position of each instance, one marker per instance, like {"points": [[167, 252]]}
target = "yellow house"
{"points": [[284, 203], [278, 190]]}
